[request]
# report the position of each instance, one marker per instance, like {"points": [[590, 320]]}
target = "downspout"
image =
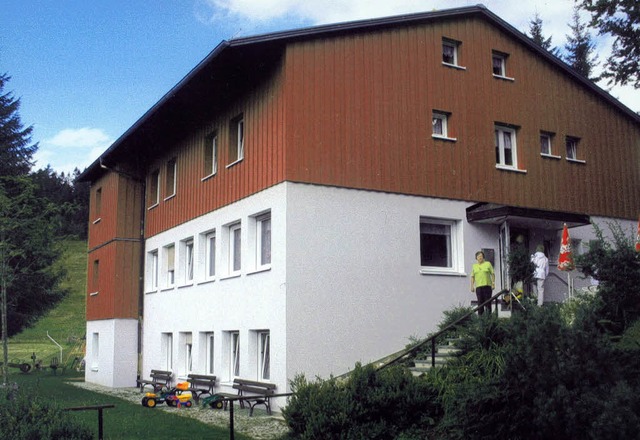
{"points": [[143, 213]]}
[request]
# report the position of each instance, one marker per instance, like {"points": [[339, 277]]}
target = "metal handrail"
{"points": [[432, 338]]}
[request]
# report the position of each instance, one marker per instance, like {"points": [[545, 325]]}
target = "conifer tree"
{"points": [[580, 48], [537, 35]]}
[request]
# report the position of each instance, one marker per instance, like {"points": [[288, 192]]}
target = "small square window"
{"points": [[545, 144], [499, 64], [450, 52], [440, 125], [572, 147]]}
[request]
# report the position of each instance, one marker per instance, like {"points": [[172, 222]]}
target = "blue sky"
{"points": [[86, 70]]}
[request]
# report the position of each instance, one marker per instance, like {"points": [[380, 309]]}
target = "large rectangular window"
{"points": [[95, 281], [95, 351], [98, 204], [186, 352], [209, 352], [450, 52], [505, 143], [440, 245]]}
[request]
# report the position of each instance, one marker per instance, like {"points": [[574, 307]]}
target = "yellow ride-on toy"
{"points": [[178, 397]]}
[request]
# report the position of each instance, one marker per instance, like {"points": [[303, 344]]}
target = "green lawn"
{"points": [[126, 421], [66, 323]]}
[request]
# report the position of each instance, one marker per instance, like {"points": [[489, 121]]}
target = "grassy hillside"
{"points": [[65, 323]]}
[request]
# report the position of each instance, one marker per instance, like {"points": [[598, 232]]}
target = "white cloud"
{"points": [[71, 148], [79, 138]]}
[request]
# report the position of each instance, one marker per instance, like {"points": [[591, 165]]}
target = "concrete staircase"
{"points": [[444, 352]]}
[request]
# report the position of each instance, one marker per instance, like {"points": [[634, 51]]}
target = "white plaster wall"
{"points": [[354, 287], [254, 300], [117, 354]]}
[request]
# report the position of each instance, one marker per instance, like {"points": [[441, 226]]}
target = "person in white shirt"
{"points": [[541, 271]]}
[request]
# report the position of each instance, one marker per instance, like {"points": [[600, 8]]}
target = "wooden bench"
{"points": [[159, 379], [200, 384], [259, 393]]}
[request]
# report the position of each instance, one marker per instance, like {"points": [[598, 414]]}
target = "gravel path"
{"points": [[260, 426]]}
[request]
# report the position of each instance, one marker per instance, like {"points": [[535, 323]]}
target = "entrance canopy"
{"points": [[492, 213]]}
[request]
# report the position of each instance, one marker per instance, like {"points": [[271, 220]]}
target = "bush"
{"points": [[25, 418], [370, 404]]}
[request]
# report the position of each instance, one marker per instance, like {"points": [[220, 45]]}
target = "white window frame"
{"points": [[209, 352], [234, 353], [235, 248], [210, 245], [263, 261], [455, 253], [455, 46], [572, 152], [95, 351], [153, 262], [187, 263], [167, 351], [169, 254], [264, 355], [502, 57], [212, 151], [154, 181], [171, 168], [186, 341], [443, 119], [500, 146], [548, 137], [238, 133]]}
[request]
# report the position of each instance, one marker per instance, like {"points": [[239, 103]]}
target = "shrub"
{"points": [[370, 404], [27, 418]]}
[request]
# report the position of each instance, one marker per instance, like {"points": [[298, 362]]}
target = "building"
{"points": [[304, 200]]}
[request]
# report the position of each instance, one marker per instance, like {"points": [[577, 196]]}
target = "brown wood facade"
{"points": [[354, 109], [113, 267]]}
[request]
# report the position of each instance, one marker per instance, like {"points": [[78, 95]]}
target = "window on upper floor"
{"points": [[499, 65], [236, 143], [505, 143], [450, 53], [98, 205], [95, 279], [171, 178], [546, 144], [440, 125], [572, 144], [211, 155], [440, 246], [153, 193]]}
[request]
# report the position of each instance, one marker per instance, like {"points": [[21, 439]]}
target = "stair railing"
{"points": [[432, 339]]}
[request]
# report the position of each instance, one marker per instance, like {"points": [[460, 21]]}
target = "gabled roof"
{"points": [[225, 61]]}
